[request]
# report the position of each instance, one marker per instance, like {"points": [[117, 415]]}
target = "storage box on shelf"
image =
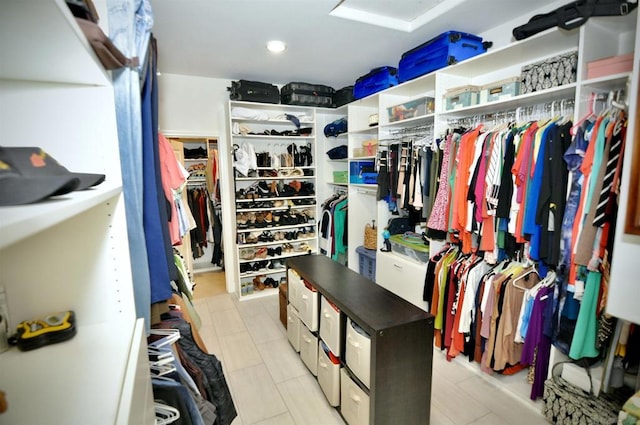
{"points": [[369, 325], [275, 201]]}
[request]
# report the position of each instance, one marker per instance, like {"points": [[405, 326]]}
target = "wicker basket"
{"points": [[370, 236]]}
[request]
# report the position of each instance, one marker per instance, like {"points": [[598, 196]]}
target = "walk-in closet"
{"points": [[233, 236]]}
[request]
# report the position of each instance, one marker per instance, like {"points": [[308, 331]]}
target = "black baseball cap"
{"points": [[29, 174]]}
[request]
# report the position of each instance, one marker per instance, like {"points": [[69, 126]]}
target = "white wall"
{"points": [[197, 106]]}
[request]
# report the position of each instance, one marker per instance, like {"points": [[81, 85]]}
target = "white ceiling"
{"points": [[226, 38]]}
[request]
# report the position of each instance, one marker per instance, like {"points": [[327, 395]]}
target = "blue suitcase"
{"points": [[376, 80], [446, 49]]}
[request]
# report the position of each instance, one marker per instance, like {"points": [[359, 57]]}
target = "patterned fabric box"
{"points": [[553, 72]]}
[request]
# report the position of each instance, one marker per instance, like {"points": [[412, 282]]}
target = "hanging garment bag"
{"points": [[572, 15], [446, 49], [254, 91], [305, 94]]}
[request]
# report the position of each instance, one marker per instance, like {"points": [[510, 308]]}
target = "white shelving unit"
{"points": [[598, 38], [70, 252], [303, 203]]}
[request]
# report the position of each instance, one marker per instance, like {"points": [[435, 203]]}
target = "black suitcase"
{"points": [[254, 91], [305, 94], [343, 96]]}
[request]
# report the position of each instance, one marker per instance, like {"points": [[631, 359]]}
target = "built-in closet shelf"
{"points": [[60, 379], [277, 198], [275, 108], [31, 23], [283, 208], [275, 228], [279, 257], [274, 178], [366, 130], [606, 82], [422, 84], [542, 45], [270, 121], [408, 122], [195, 159], [280, 242], [267, 292], [362, 158], [263, 272], [338, 184], [270, 137], [20, 222], [566, 91]]}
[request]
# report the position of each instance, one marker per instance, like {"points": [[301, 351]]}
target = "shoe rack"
{"points": [[275, 195]]}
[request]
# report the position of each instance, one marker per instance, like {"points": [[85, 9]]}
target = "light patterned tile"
{"points": [[239, 351], [249, 308], [202, 307], [438, 417], [220, 302], [282, 360], [307, 403], [262, 328], [490, 419], [509, 408], [210, 339], [255, 394], [456, 370], [227, 322], [445, 397], [284, 419]]}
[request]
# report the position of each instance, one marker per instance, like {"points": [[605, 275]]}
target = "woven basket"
{"points": [[370, 236]]}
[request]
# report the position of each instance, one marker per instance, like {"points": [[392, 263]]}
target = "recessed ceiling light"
{"points": [[276, 46]]}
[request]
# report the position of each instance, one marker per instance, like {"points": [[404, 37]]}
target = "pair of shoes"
{"points": [[270, 282], [303, 247], [247, 253], [261, 253], [274, 251], [258, 284], [287, 247]]}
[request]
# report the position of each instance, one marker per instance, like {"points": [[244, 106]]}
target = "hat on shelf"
{"points": [[29, 174]]}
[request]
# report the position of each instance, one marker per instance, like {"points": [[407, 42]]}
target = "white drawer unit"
{"points": [[293, 327], [294, 284], [329, 374], [309, 306], [354, 402], [358, 352], [309, 349], [330, 325], [402, 276]]}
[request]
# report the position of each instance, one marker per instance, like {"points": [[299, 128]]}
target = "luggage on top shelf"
{"points": [[254, 91], [305, 94], [445, 49], [376, 80], [343, 96]]}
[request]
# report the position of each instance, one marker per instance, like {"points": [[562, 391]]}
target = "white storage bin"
{"points": [[330, 325], [293, 327], [328, 375], [294, 283], [309, 306], [354, 402], [309, 349], [358, 352]]}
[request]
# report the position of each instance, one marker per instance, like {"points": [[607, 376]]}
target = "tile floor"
{"points": [[271, 386]]}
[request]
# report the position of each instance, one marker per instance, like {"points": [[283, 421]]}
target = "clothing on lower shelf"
{"points": [[185, 376]]}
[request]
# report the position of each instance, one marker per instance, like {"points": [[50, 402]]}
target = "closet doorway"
{"points": [[201, 246]]}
